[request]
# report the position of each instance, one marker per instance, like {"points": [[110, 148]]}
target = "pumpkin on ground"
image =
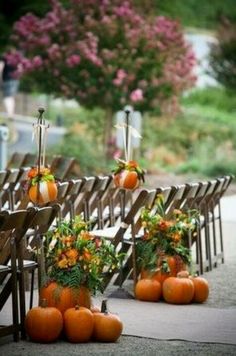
{"points": [[43, 324], [107, 326], [78, 324], [178, 290], [64, 298], [148, 290], [201, 289]]}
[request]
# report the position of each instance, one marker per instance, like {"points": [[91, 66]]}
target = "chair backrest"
{"points": [[191, 196], [16, 160], [145, 198], [80, 204], [61, 166], [12, 222]]}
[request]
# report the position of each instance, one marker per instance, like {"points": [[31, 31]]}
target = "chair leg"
{"points": [[15, 308], [31, 289]]}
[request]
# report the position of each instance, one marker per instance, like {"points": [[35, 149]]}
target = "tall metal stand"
{"points": [[120, 292]]}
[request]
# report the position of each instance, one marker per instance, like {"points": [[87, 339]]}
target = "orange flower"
{"points": [[132, 164], [85, 235], [72, 254], [63, 263], [87, 255], [32, 172], [67, 240], [176, 237], [164, 225]]}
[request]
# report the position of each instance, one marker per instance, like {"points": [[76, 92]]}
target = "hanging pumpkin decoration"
{"points": [[148, 290], [128, 174], [107, 326], [42, 187], [178, 290], [43, 323], [64, 298], [78, 324], [201, 289]]}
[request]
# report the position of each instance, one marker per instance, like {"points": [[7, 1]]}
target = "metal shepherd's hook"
{"points": [[40, 130]]}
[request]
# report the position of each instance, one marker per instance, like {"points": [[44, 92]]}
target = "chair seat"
{"points": [[4, 268], [110, 232], [26, 264]]}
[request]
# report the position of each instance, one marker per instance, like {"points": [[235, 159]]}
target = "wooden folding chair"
{"points": [[13, 225], [123, 235]]}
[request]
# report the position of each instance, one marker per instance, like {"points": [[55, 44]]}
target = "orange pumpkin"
{"points": [[175, 264], [64, 298], [127, 179], [107, 327], [201, 289], [178, 290], [148, 290], [43, 324], [78, 324], [47, 192]]}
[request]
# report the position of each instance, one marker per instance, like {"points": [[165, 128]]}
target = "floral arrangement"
{"points": [[74, 257], [43, 175], [165, 235]]}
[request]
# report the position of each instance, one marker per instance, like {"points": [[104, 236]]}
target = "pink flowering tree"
{"points": [[105, 53]]}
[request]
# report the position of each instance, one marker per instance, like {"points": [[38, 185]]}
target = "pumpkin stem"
{"points": [[104, 307], [77, 307], [43, 303]]}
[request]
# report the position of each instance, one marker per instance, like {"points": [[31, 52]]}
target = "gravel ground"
{"points": [[127, 345]]}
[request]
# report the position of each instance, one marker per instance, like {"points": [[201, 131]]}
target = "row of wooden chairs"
{"points": [[207, 244], [62, 167]]}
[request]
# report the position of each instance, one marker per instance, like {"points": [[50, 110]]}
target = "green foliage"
{"points": [[201, 140], [197, 13], [223, 55]]}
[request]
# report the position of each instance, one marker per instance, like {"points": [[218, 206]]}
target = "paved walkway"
{"points": [[162, 329]]}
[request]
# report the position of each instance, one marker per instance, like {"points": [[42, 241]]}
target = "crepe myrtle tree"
{"points": [[105, 53]]}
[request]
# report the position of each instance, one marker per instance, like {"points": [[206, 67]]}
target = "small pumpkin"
{"points": [[107, 326], [201, 289], [127, 179], [128, 175], [178, 290], [43, 324], [64, 298], [148, 290], [78, 324], [47, 192]]}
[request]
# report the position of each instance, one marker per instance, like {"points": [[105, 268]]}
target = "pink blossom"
{"points": [[73, 60], [136, 95]]}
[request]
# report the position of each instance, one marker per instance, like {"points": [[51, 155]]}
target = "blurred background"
{"points": [[85, 60]]}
